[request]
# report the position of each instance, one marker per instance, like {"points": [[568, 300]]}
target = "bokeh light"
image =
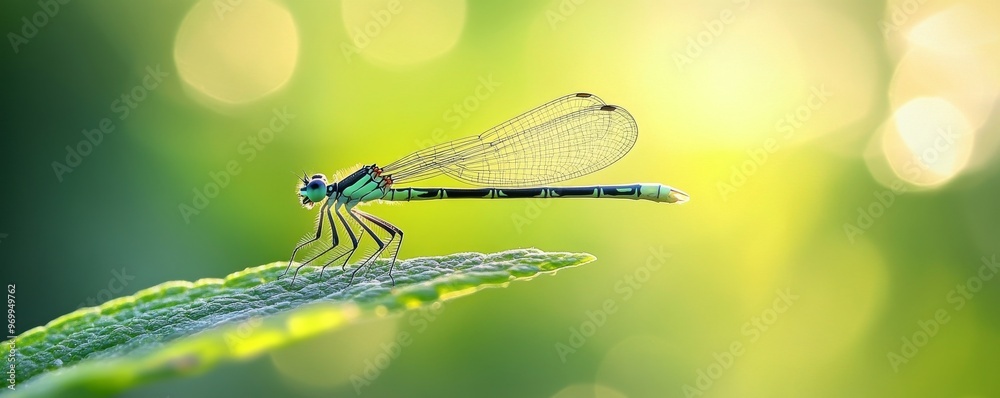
{"points": [[236, 53], [929, 141], [960, 28], [948, 75], [963, 78]]}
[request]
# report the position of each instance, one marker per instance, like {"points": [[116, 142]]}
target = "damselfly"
{"points": [[566, 138]]}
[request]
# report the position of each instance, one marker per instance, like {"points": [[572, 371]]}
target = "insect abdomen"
{"points": [[653, 192]]}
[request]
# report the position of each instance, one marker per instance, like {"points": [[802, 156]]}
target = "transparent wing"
{"points": [[566, 138]]}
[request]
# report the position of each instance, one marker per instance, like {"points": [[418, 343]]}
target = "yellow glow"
{"points": [[954, 53], [329, 359], [964, 79], [308, 324], [899, 18], [397, 32], [743, 84], [238, 54], [767, 258], [738, 106], [255, 343], [929, 142], [448, 295], [413, 303], [845, 63], [959, 28]]}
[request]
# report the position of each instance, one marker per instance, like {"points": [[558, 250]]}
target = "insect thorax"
{"points": [[368, 183]]}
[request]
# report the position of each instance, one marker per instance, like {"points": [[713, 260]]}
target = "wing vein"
{"points": [[566, 138]]}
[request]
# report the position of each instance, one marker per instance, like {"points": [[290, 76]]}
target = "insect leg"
{"points": [[319, 232], [393, 232], [381, 245], [333, 234], [354, 242]]}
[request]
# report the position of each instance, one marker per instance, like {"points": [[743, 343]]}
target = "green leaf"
{"points": [[181, 328]]}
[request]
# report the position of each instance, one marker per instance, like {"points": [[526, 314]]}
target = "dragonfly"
{"points": [[568, 137]]}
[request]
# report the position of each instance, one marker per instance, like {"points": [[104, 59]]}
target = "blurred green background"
{"points": [[840, 156]]}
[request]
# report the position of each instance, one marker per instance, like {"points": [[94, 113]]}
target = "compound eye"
{"points": [[315, 190]]}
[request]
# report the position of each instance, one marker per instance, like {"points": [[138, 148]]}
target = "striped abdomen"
{"points": [[653, 192]]}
